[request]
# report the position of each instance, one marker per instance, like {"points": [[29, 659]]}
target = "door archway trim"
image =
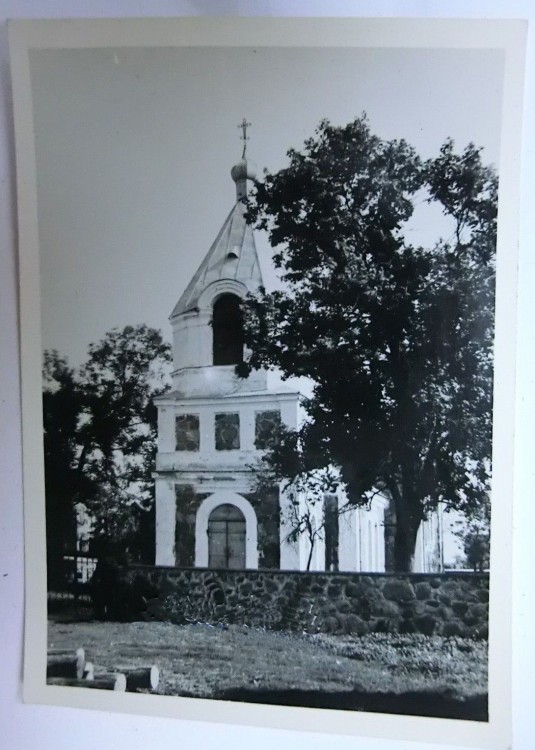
{"points": [[225, 497]]}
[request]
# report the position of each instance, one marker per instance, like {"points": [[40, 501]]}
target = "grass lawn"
{"points": [[240, 663]]}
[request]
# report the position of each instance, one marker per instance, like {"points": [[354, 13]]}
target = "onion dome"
{"points": [[243, 170]]}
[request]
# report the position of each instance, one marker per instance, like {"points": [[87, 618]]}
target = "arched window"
{"points": [[226, 538], [227, 330]]}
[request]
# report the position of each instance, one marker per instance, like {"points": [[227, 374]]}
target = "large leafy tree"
{"points": [[65, 485], [396, 338], [100, 439]]}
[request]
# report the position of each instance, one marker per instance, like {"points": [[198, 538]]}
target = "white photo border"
{"points": [[506, 35]]}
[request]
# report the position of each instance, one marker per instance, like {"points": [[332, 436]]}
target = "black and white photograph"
{"points": [[267, 321]]}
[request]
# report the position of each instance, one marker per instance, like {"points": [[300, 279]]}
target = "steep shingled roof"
{"points": [[232, 256]]}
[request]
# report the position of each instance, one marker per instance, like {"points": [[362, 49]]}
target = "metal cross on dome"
{"points": [[244, 125]]}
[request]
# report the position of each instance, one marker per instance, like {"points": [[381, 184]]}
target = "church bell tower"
{"points": [[213, 426]]}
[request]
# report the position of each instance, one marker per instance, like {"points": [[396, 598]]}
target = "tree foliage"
{"points": [[474, 535], [396, 338], [100, 437]]}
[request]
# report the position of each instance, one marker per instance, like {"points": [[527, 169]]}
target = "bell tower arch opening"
{"points": [[227, 326]]}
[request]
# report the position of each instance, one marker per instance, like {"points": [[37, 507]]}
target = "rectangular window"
{"points": [[187, 432], [267, 426], [227, 432]]}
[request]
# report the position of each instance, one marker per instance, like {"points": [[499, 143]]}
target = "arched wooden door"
{"points": [[226, 538]]}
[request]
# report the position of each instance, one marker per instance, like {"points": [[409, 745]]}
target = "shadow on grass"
{"points": [[438, 705]]}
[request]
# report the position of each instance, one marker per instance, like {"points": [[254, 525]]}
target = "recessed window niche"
{"points": [[267, 425], [227, 432], [187, 432]]}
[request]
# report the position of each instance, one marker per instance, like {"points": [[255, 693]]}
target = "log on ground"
{"points": [[141, 678], [100, 682], [66, 664]]}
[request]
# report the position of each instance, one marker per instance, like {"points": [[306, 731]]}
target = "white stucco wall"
{"points": [[246, 405], [429, 549], [165, 521], [361, 545]]}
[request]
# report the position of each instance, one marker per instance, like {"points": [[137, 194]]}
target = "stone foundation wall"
{"points": [[450, 604]]}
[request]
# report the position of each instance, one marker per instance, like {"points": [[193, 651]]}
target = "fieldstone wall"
{"points": [[452, 604]]}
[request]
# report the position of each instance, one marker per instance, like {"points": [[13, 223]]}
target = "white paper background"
{"points": [[43, 727]]}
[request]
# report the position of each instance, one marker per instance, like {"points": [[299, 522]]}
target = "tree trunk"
{"points": [[407, 522], [404, 547], [310, 554]]}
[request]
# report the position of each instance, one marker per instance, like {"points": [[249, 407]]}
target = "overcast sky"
{"points": [[134, 149]]}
